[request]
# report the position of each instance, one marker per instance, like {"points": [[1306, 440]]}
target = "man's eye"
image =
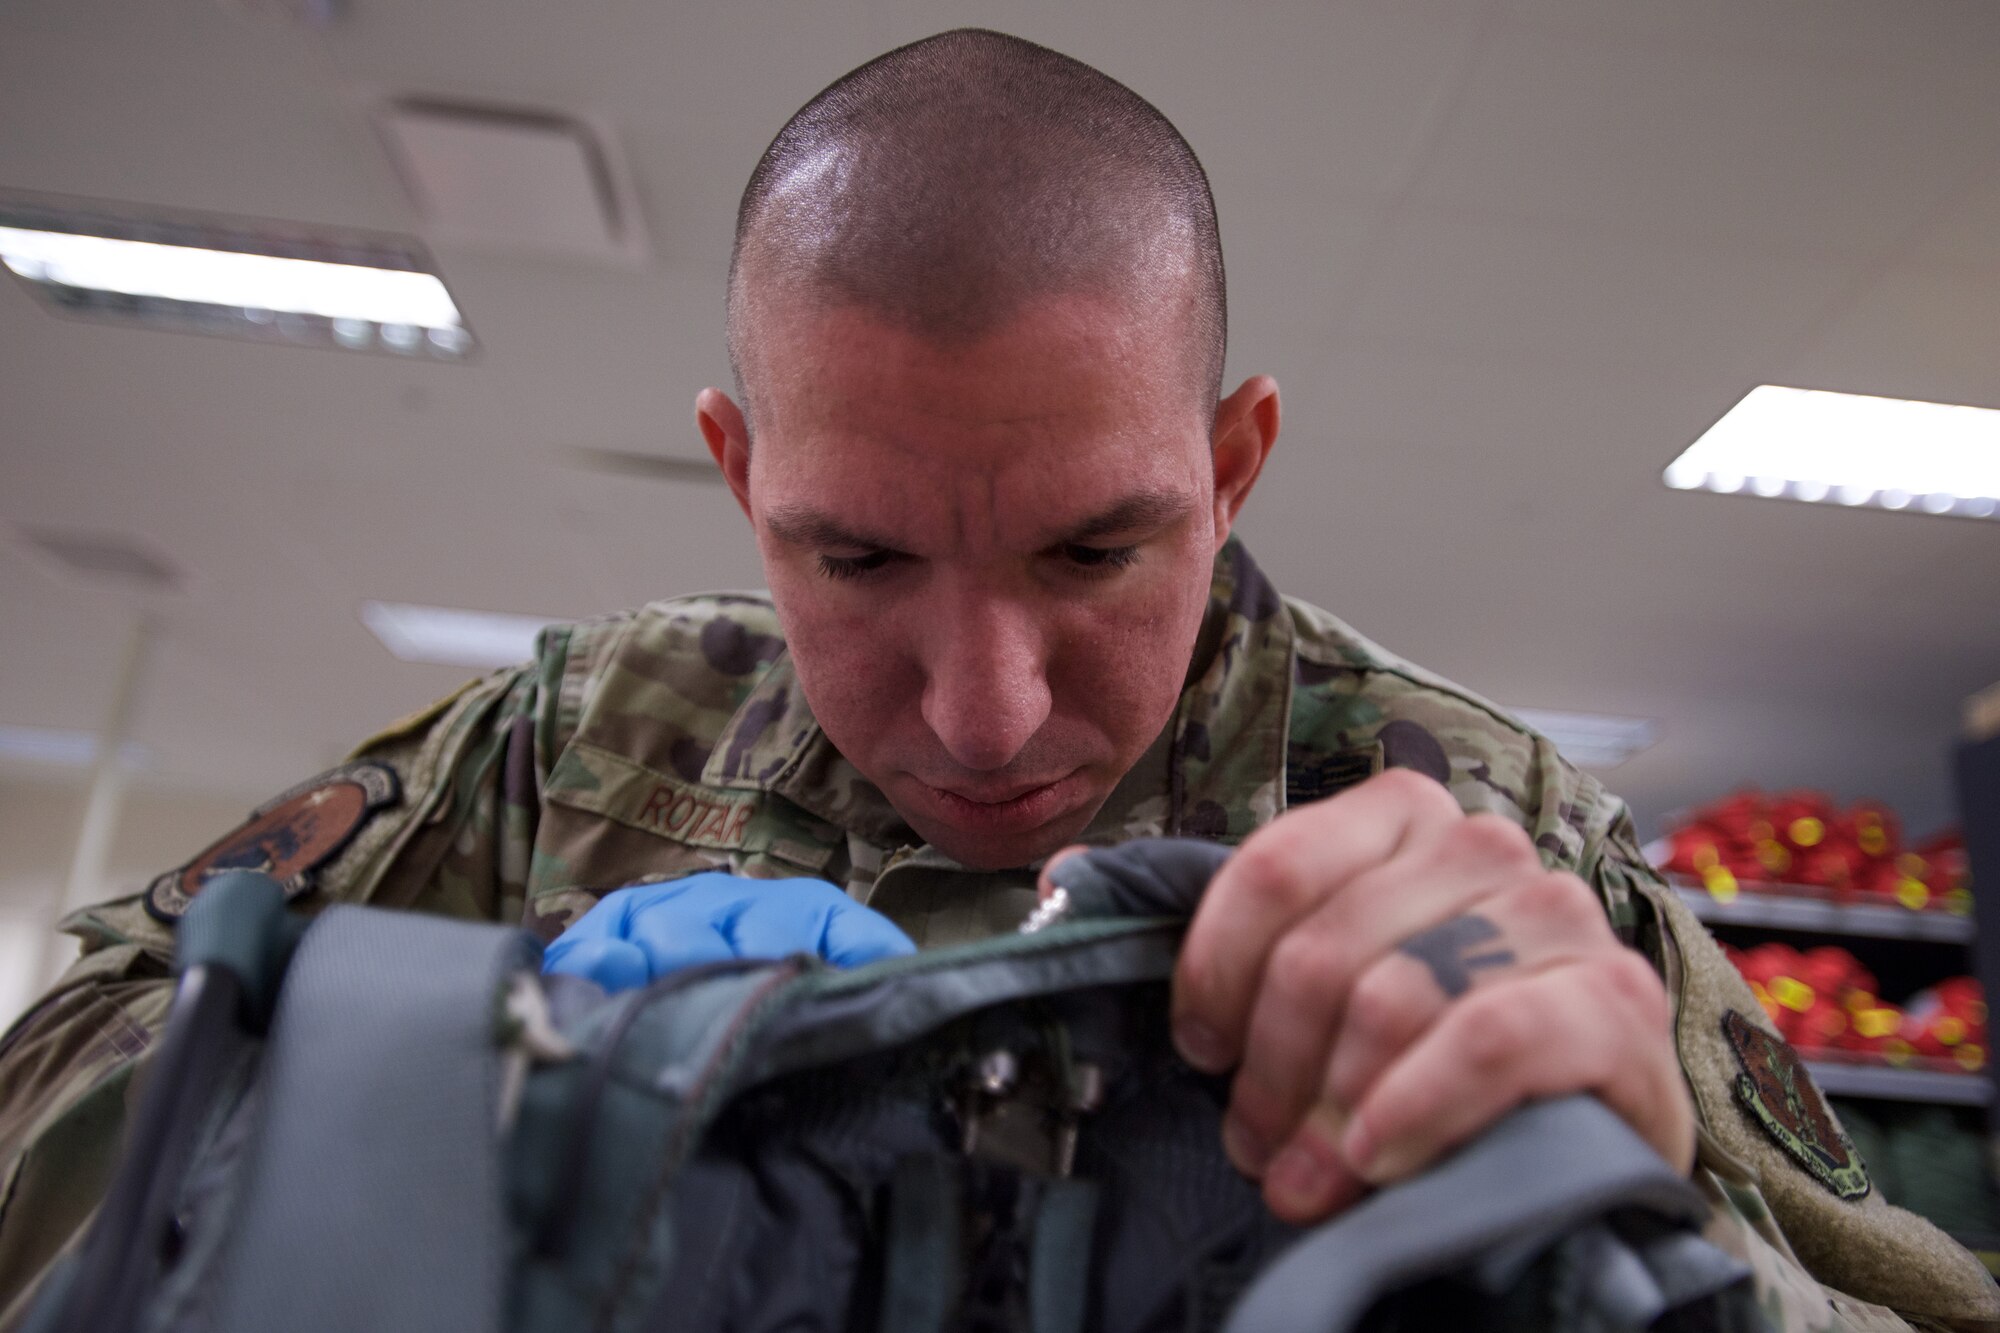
{"points": [[1104, 558], [853, 566]]}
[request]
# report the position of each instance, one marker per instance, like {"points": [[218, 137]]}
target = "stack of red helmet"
{"points": [[1819, 1000], [1948, 1021], [1800, 838], [1823, 1001]]}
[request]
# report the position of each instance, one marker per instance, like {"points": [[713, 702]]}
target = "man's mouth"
{"points": [[996, 795], [1015, 808]]}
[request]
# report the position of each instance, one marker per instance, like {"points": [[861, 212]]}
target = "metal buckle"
{"points": [[1025, 1115]]}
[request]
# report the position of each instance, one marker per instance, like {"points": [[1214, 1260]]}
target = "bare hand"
{"points": [[1390, 976]]}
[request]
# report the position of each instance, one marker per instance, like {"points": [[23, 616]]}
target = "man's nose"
{"points": [[987, 690]]}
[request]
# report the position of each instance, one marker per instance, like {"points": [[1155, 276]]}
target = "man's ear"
{"points": [[1246, 426], [728, 435]]}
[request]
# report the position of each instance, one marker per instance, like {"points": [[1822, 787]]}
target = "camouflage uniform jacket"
{"points": [[649, 745]]}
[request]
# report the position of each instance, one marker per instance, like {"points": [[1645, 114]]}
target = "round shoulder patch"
{"points": [[1776, 1089], [287, 837]]}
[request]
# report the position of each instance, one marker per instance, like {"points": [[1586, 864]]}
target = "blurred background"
{"points": [[1507, 258]]}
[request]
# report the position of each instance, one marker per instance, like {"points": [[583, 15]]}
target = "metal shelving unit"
{"points": [[1903, 1085], [1782, 912], [1977, 773]]}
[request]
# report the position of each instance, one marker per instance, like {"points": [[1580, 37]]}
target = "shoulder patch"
{"points": [[287, 837], [1775, 1088], [1314, 775]]}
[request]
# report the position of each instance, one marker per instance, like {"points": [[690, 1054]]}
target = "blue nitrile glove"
{"points": [[636, 935]]}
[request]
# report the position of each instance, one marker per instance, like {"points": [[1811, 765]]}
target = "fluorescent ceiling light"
{"points": [[63, 749], [450, 637], [242, 279], [1591, 740], [229, 277], [1850, 449]]}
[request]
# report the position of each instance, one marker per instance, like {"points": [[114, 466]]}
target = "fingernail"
{"points": [[1243, 1146], [1298, 1180], [1057, 858], [1086, 885], [1201, 1046]]}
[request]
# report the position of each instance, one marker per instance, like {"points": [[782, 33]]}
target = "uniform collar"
{"points": [[1216, 771]]}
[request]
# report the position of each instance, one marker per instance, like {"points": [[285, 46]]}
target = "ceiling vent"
{"points": [[102, 559], [514, 178]]}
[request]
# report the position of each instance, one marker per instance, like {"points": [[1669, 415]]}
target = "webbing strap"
{"points": [[1060, 1255], [352, 1122], [841, 1015], [923, 1278], [1543, 1171]]}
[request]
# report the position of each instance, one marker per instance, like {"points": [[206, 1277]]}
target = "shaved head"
{"points": [[943, 186], [976, 312]]}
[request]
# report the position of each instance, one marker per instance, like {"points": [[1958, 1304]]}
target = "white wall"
{"points": [[39, 817]]}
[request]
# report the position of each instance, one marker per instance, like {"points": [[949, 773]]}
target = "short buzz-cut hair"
{"points": [[943, 185]]}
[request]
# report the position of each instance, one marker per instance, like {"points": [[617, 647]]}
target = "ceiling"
{"points": [[1506, 259]]}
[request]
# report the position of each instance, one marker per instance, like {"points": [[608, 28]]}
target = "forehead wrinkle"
{"points": [[941, 387], [806, 524]]}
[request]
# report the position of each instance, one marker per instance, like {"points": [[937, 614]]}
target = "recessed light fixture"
{"points": [[448, 636], [268, 282], [1849, 449], [1591, 740]]}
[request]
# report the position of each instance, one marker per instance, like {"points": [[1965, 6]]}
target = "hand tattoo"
{"points": [[1443, 947]]}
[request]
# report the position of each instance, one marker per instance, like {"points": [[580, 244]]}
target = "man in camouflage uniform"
{"points": [[974, 283]]}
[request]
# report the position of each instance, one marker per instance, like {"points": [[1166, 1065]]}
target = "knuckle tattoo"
{"points": [[1453, 950]]}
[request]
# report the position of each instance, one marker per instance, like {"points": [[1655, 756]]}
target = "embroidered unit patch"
{"points": [[1775, 1088], [287, 837]]}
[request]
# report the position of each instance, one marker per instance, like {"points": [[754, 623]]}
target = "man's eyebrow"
{"points": [[1135, 513], [802, 525]]}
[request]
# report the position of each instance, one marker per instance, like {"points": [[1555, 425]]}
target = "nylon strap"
{"points": [[1059, 1259], [923, 1277], [1545, 1170], [352, 1122]]}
